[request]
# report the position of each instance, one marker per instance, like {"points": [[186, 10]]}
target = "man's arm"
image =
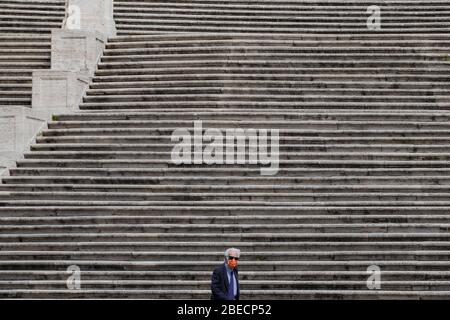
{"points": [[216, 286]]}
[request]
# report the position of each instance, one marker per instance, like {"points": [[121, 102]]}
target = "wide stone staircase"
{"points": [[364, 172], [278, 17], [25, 45]]}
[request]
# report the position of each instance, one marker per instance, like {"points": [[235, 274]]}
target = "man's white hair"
{"points": [[227, 252]]}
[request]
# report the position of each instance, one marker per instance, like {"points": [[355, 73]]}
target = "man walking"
{"points": [[224, 282]]}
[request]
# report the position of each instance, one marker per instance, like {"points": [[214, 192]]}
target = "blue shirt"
{"points": [[229, 271]]}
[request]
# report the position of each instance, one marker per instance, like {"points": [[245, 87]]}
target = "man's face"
{"points": [[233, 259]]}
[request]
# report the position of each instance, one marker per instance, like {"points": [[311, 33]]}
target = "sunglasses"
{"points": [[233, 258]]}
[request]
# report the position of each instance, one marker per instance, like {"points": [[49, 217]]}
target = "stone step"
{"points": [[276, 113], [223, 237], [242, 96], [14, 87], [207, 98], [237, 114], [13, 94], [117, 159], [232, 227], [17, 70], [286, 158], [33, 3], [63, 149], [162, 151], [303, 41], [313, 28], [24, 53], [8, 81], [283, 93], [204, 188], [224, 198], [93, 265], [249, 247], [275, 5], [142, 80], [365, 104], [279, 18], [112, 284], [298, 172], [14, 27], [298, 49], [201, 275], [113, 88], [351, 18], [36, 17], [24, 37], [210, 256], [309, 34], [260, 70], [263, 21], [262, 9], [16, 105], [28, 23], [9, 102], [289, 132], [246, 219], [85, 140], [232, 210], [23, 65], [24, 59], [206, 294], [247, 123], [278, 54], [428, 182], [239, 60], [340, 162], [28, 13], [26, 45], [391, 200]]}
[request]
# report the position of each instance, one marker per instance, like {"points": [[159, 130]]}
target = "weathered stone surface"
{"points": [[363, 182]]}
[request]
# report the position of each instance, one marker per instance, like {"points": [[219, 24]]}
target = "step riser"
{"points": [[293, 199], [76, 168], [215, 210], [64, 184], [249, 259], [301, 174], [206, 275], [206, 295], [162, 139], [248, 248], [270, 125], [253, 268], [284, 158], [206, 286], [295, 190], [323, 229], [224, 238]]}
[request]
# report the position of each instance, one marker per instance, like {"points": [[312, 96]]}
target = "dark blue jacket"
{"points": [[220, 283]]}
